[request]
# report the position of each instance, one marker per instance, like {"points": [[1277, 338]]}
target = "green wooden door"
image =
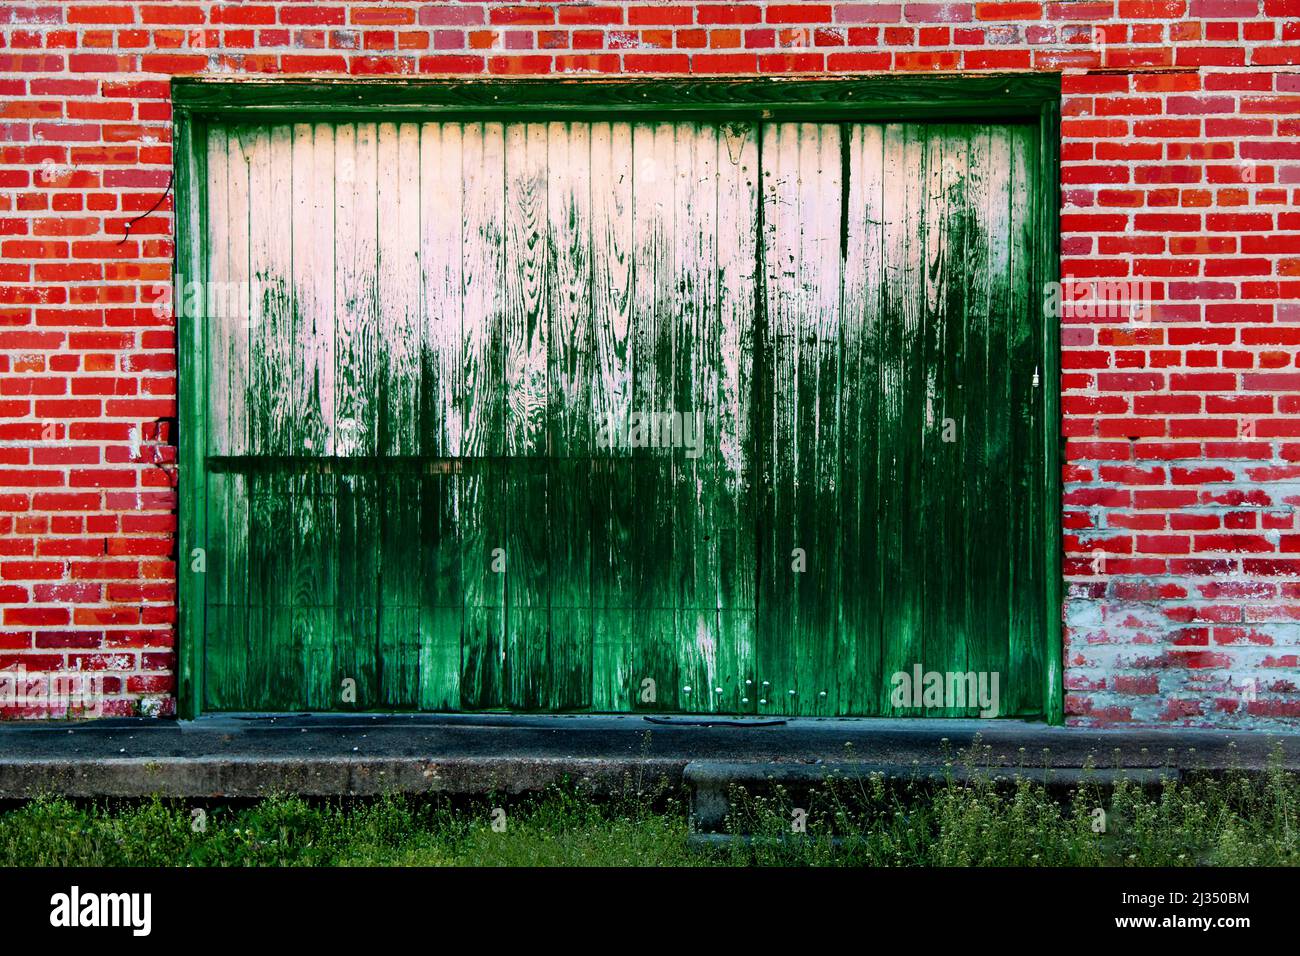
{"points": [[900, 505], [618, 416], [454, 452]]}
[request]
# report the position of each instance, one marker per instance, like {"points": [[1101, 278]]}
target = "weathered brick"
{"points": [[1182, 451]]}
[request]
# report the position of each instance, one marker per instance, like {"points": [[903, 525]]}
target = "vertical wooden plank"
{"points": [[787, 553], [928, 357], [945, 484], [922, 357], [441, 413], [902, 401], [275, 378], [806, 235], [984, 255], [653, 351], [569, 420], [481, 398], [613, 685], [1022, 693], [356, 335], [817, 424], [311, 405], [271, 330], [226, 666], [356, 373], [862, 683], [275, 666], [955, 633], [216, 346], [802, 257], [397, 286], [526, 356], [314, 282], [191, 146], [228, 394], [1046, 255], [275, 663], [397, 306], [694, 410], [229, 632], [236, 302], [225, 639], [733, 456], [315, 588]]}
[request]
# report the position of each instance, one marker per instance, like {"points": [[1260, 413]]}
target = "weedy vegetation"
{"points": [[971, 819]]}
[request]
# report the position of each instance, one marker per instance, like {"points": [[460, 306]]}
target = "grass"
{"points": [[557, 828], [1228, 820]]}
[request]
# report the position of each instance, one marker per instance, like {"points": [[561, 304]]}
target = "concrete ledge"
{"points": [[710, 782], [234, 777], [369, 754]]}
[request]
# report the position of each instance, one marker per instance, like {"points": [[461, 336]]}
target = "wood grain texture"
{"points": [[527, 334], [818, 428], [902, 405], [227, 664], [217, 342], [614, 685], [399, 384], [694, 403], [272, 639], [994, 97], [538, 415], [1026, 650], [311, 408], [356, 374], [729, 442], [441, 412], [653, 350], [569, 421], [192, 234], [482, 523], [858, 667], [783, 552]]}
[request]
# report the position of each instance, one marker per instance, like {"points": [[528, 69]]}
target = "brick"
{"points": [[868, 13], [937, 12], [1179, 168]]}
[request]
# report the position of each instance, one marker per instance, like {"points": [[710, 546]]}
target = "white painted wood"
{"points": [[482, 303], [568, 289], [611, 229], [221, 339], [397, 287], [737, 264], [441, 217], [525, 288], [313, 282], [355, 249], [238, 310], [271, 359], [737, 150]]}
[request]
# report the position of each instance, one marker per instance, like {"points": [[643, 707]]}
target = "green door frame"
{"points": [[1024, 98]]}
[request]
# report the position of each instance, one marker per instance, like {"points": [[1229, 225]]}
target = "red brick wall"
{"points": [[1180, 167]]}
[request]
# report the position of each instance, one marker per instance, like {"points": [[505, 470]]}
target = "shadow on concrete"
{"points": [[248, 755]]}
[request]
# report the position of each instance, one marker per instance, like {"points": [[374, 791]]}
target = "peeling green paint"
{"points": [[825, 295]]}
